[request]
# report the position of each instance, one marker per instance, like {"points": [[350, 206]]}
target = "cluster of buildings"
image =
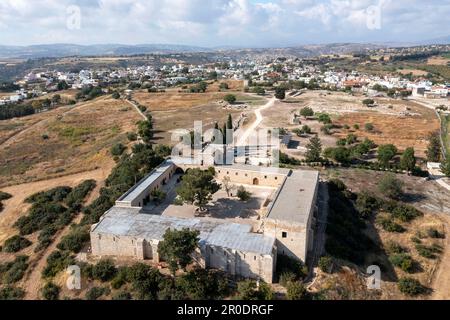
{"points": [[132, 228]]}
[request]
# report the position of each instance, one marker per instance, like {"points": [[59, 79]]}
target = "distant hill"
{"points": [[65, 50]]}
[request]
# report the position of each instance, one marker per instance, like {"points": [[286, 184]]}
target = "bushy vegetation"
{"points": [[402, 261], [12, 272], [177, 248], [410, 287], [57, 261], [76, 197], [75, 240], [248, 290], [15, 111], [296, 291], [127, 171], [96, 292], [390, 186], [288, 267], [243, 194], [345, 236], [11, 293], [15, 244], [389, 225], [50, 291], [325, 263]]}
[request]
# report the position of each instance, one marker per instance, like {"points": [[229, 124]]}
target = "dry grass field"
{"points": [[426, 196], [403, 123], [172, 110], [63, 141], [439, 61], [402, 131]]}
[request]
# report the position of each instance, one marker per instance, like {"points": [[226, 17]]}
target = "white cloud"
{"points": [[220, 22]]}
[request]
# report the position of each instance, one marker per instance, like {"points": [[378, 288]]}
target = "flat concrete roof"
{"points": [[294, 199], [120, 221], [146, 182], [251, 168]]}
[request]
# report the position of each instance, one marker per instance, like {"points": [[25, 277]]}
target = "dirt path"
{"points": [[244, 135], [15, 207], [441, 283], [33, 282]]}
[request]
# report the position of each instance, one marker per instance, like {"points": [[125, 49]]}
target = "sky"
{"points": [[211, 23]]}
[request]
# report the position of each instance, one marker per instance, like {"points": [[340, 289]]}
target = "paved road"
{"points": [[243, 136], [319, 234]]}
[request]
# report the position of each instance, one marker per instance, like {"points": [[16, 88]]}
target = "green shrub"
{"points": [[202, 284], [4, 196], [325, 263], [117, 149], [247, 290], [14, 271], [243, 194], [394, 248], [405, 213], [286, 264], [57, 261], [435, 234], [296, 291], [428, 252], [76, 197], [104, 270], [389, 225], [287, 277], [75, 240], [15, 244], [122, 295], [96, 292], [50, 291], [11, 293], [132, 136], [410, 287], [402, 261]]}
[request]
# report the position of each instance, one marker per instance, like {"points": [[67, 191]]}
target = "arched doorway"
{"points": [[255, 182]]}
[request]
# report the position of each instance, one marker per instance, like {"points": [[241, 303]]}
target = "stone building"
{"points": [[128, 229]]}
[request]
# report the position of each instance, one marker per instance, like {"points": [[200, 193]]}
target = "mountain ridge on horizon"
{"points": [[58, 50]]}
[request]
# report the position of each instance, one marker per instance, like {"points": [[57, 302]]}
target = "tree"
{"points": [[243, 194], [306, 112], [368, 102], [177, 248], [434, 147], [227, 185], [145, 280], [117, 149], [202, 284], [445, 166], [390, 186], [324, 118], [145, 129], [314, 150], [230, 98], [408, 160], [325, 263], [62, 85], [50, 291], [197, 187], [280, 93], [230, 122], [386, 153], [249, 290], [116, 95], [104, 270]]}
